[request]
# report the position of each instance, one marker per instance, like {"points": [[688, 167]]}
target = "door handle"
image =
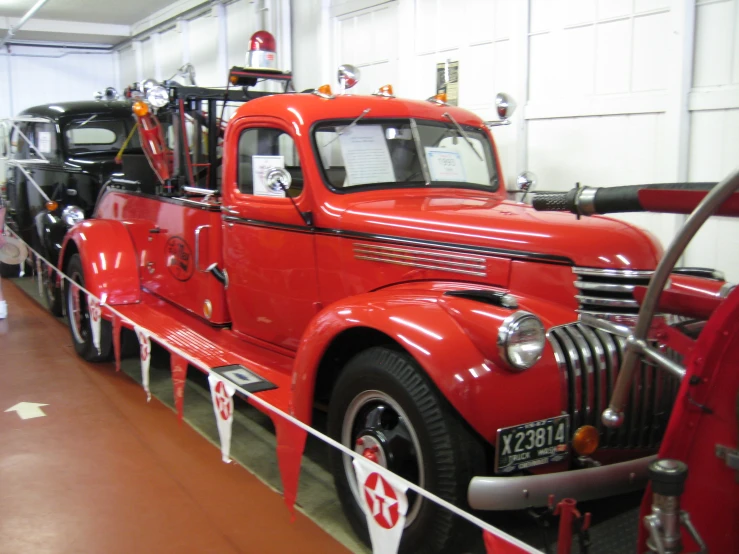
{"points": [[230, 210], [197, 247]]}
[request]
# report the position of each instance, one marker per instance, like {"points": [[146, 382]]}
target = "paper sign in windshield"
{"points": [[445, 165], [44, 142], [366, 155], [261, 166]]}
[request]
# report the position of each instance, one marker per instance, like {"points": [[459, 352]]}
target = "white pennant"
{"points": [[222, 395], [384, 503], [145, 353], [40, 277], [93, 307]]}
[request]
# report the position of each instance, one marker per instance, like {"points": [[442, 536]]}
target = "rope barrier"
{"points": [[202, 366]]}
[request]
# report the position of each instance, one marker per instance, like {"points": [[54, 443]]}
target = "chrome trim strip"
{"points": [[617, 273], [600, 373], [604, 287], [574, 370], [519, 493], [605, 325], [610, 302], [424, 259], [586, 359]]}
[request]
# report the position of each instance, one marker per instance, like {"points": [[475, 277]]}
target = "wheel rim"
{"points": [[377, 427], [77, 309]]}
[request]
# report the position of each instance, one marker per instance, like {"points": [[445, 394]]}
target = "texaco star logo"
{"points": [[143, 345], [223, 401], [94, 307], [382, 500]]}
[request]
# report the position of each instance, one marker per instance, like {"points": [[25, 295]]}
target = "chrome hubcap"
{"points": [[376, 427]]}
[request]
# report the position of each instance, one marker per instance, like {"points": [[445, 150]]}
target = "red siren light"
{"points": [[262, 51]]}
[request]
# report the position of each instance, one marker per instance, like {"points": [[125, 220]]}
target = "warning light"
{"points": [[385, 90], [439, 98], [262, 51], [325, 89], [140, 108], [585, 440], [51, 205]]}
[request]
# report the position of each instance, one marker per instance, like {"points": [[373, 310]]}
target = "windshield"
{"points": [[93, 135], [404, 152]]}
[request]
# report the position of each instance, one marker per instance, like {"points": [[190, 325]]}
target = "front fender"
{"points": [[109, 260], [486, 395], [51, 231]]}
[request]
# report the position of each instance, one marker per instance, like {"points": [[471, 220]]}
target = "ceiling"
{"points": [[70, 20]]}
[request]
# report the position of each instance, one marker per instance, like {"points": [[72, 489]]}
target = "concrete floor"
{"points": [[253, 447], [103, 471]]}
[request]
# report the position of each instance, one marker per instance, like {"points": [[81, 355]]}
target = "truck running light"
{"points": [[385, 90], [585, 440], [262, 48], [51, 205], [325, 89], [140, 108]]}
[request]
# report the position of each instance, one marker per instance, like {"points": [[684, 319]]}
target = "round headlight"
{"points": [[71, 215], [521, 340], [157, 96]]}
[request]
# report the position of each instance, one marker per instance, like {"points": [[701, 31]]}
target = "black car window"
{"points": [[92, 134], [43, 136]]}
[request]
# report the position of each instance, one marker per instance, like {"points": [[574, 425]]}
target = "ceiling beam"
{"points": [[68, 27]]}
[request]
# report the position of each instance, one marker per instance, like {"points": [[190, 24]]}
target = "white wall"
{"points": [[211, 37], [32, 76], [610, 92]]}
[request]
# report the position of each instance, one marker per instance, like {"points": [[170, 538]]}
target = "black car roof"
{"points": [[69, 110]]}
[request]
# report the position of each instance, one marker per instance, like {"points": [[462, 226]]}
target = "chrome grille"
{"points": [[609, 292], [589, 360]]}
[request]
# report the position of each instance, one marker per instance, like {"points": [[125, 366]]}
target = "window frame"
{"points": [[273, 127]]}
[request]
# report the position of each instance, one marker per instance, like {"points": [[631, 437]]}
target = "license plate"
{"points": [[532, 444]]}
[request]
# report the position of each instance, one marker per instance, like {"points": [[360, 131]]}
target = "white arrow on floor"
{"points": [[28, 410]]}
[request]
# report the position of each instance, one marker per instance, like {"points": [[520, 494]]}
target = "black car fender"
{"points": [[50, 231]]}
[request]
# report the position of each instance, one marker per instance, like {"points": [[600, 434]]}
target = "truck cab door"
{"points": [[269, 250]]}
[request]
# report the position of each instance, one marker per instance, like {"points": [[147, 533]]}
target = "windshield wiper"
{"points": [[352, 124], [463, 133]]}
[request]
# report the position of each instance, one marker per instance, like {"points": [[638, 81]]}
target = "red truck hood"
{"points": [[515, 229]]}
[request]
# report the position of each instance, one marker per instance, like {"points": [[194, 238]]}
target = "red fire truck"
{"points": [[358, 253]]}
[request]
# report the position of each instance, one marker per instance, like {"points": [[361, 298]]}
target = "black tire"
{"points": [[388, 388], [9, 271], [52, 293], [79, 319]]}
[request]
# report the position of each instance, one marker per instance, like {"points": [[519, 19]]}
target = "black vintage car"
{"points": [[80, 141]]}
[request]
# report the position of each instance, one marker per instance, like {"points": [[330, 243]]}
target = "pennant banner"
{"points": [[290, 447], [145, 355], [498, 545], [384, 503], [222, 395], [179, 375], [93, 307]]}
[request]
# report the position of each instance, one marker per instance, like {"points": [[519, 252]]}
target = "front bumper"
{"points": [[518, 493]]}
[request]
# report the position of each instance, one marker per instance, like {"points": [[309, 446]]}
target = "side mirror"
{"points": [[525, 183], [504, 107], [278, 179], [348, 76]]}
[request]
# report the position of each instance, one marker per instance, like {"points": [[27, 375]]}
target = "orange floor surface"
{"points": [[105, 472]]}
